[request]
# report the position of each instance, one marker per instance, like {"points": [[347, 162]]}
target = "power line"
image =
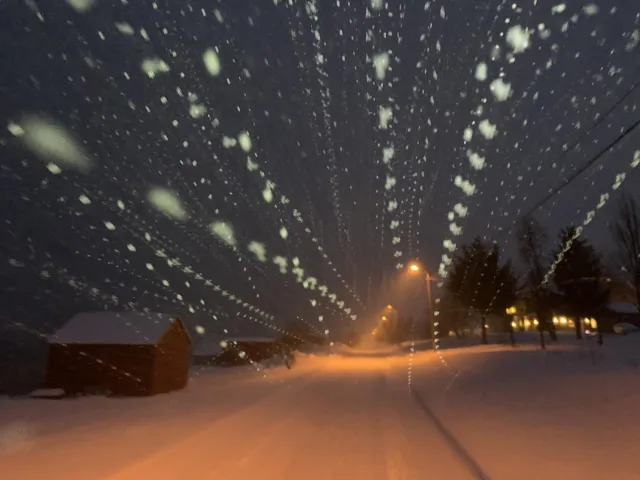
{"points": [[599, 121], [578, 172], [575, 143]]}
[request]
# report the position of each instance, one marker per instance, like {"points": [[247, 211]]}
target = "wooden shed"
{"points": [[128, 353]]}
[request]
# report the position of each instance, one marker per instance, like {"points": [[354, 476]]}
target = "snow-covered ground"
{"points": [[512, 413]]}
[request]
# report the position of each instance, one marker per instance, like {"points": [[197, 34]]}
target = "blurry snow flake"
{"points": [[224, 231], [200, 329], [381, 63], [267, 193], [634, 40], [518, 38], [281, 262], [228, 142], [152, 66], [259, 250], [476, 161], [501, 90], [559, 8], [168, 202], [591, 9], [124, 28], [51, 142], [449, 245], [252, 166], [244, 140], [53, 168], [15, 129], [387, 154], [619, 179], [131, 248], [81, 5], [636, 159], [460, 209], [84, 199], [385, 115], [467, 135], [110, 226], [487, 129], [481, 72], [390, 183], [377, 5], [464, 185], [283, 233], [196, 110], [211, 62]]}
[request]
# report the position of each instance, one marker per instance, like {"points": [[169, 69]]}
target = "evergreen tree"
{"points": [[578, 276], [479, 282]]}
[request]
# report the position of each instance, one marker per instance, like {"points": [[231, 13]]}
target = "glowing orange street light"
{"points": [[415, 268], [384, 318], [389, 307]]}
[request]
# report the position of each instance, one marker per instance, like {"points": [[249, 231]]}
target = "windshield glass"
{"points": [[319, 239]]}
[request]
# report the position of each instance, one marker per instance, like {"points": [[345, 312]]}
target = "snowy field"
{"points": [[568, 412]]}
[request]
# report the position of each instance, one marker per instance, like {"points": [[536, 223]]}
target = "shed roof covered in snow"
{"points": [[114, 328]]}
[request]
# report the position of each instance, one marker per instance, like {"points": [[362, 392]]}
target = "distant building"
{"points": [[207, 351], [248, 349], [128, 353], [621, 312]]}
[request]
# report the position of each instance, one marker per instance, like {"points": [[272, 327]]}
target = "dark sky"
{"points": [[88, 135]]}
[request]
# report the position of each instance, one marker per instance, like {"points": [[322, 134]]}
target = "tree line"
{"points": [[566, 276]]}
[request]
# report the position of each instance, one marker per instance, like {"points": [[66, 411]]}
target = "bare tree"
{"points": [[625, 230], [532, 240]]}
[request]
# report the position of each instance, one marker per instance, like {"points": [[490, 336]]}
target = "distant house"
{"points": [[244, 349], [128, 353], [620, 312], [206, 351]]}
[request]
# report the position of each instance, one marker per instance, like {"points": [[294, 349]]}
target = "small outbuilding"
{"points": [[121, 353], [242, 350]]}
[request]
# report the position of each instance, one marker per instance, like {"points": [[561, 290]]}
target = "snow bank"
{"points": [[567, 412]]}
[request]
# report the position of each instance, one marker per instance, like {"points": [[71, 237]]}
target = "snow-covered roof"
{"points": [[623, 307], [114, 328]]}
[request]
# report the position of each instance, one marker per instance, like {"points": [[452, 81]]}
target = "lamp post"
{"points": [[415, 268]]}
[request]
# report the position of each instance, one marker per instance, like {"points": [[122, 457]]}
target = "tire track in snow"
{"points": [[469, 462]]}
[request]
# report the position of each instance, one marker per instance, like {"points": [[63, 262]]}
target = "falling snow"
{"points": [[245, 167]]}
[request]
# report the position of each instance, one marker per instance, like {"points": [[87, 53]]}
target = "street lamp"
{"points": [[384, 318], [414, 268]]}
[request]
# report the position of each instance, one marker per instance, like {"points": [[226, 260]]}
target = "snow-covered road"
{"points": [[343, 418], [510, 414]]}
